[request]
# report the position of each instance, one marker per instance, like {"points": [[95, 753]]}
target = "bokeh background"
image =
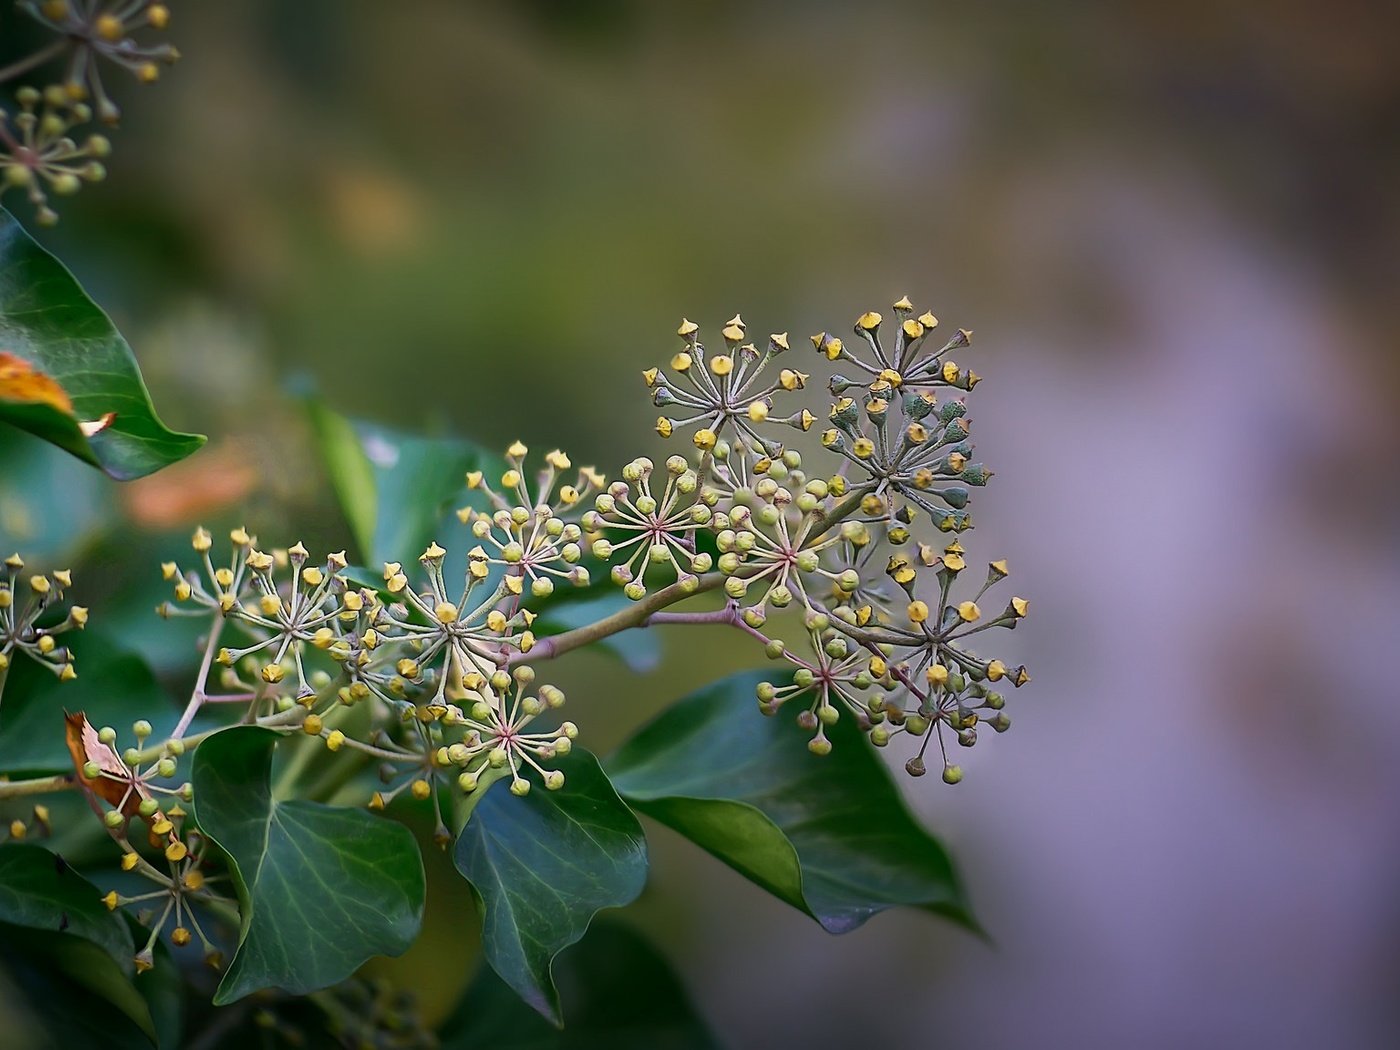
{"points": [[1173, 228]]}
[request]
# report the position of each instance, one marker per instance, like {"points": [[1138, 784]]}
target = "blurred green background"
{"points": [[1173, 228]]}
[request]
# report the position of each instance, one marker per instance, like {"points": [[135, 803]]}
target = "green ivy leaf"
{"points": [[320, 888], [621, 993], [50, 326], [830, 835], [40, 891], [114, 687], [395, 489], [542, 866]]}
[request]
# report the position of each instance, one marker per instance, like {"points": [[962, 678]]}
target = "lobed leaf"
{"points": [[66, 373], [38, 890], [542, 866], [829, 835], [321, 888]]}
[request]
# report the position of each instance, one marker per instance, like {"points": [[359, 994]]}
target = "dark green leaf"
{"points": [[321, 888], [75, 994], [542, 866], [40, 891], [619, 991], [113, 687], [395, 489], [830, 835], [639, 650], [47, 321]]}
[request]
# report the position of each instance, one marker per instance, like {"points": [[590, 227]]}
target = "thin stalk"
{"points": [[39, 786], [198, 697], [38, 58]]}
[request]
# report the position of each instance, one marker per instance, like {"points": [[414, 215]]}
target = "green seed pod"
{"points": [[951, 410], [955, 495]]}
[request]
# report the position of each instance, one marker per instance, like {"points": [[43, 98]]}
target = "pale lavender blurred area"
{"points": [[1172, 228]]}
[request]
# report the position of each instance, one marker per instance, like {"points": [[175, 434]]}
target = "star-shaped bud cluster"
{"points": [[91, 33], [28, 621], [843, 546], [534, 532], [732, 393]]}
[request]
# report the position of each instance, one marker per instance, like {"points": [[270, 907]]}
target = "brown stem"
{"points": [[635, 615]]}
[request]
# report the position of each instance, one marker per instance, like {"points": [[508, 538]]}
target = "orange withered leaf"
{"points": [[120, 789], [21, 381]]}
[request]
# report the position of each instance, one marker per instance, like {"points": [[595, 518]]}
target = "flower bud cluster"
{"points": [[729, 393], [833, 545], [653, 526], [436, 663], [40, 148], [142, 812], [535, 533], [26, 625]]}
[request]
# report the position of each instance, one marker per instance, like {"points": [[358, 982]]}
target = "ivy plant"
{"points": [[252, 843]]}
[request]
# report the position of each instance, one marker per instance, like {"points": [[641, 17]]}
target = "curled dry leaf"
{"points": [[121, 788]]}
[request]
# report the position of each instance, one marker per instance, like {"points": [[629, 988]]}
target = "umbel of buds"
{"points": [[884, 638], [26, 626], [42, 152]]}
